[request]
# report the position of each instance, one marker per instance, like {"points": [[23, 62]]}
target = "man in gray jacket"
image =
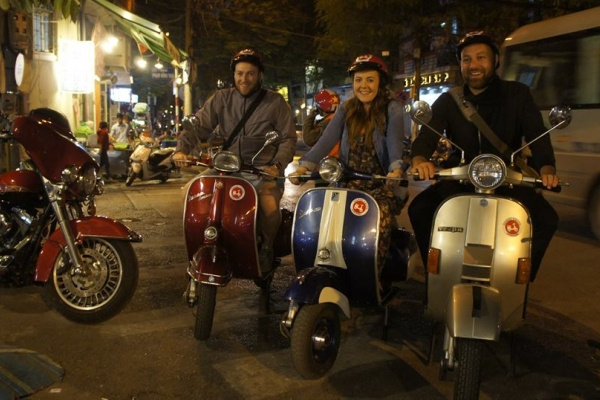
{"points": [[224, 110]]}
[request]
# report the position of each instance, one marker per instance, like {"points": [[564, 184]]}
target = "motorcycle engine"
{"points": [[14, 224]]}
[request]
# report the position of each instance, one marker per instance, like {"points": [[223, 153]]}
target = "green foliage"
{"points": [[67, 9], [282, 31]]}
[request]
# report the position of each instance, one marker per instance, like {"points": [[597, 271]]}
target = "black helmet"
{"points": [[476, 37], [247, 55]]}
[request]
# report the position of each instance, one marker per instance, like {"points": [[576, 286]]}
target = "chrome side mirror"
{"points": [[271, 137], [419, 111], [560, 116]]}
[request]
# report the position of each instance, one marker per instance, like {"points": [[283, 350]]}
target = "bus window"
{"points": [[559, 59]]}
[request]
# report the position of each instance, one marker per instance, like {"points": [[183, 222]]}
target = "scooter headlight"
{"points": [[331, 169], [210, 233], [226, 161], [69, 174], [487, 172]]}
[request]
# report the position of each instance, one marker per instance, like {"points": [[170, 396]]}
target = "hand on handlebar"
{"points": [[269, 172], [180, 159], [394, 178], [299, 172], [422, 167], [548, 176]]}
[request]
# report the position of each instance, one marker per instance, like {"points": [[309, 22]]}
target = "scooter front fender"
{"points": [[209, 265], [95, 226], [319, 285], [474, 312]]}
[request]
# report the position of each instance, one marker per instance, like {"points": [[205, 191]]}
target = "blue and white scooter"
{"points": [[334, 246]]}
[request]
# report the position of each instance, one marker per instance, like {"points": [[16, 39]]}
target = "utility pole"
{"points": [[187, 87]]}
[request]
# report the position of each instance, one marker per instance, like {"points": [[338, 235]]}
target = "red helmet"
{"points": [[247, 55], [327, 100], [369, 62]]}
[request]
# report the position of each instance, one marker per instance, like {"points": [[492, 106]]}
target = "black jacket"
{"points": [[506, 106]]}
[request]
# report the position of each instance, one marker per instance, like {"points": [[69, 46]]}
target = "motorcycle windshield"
{"points": [[51, 149]]}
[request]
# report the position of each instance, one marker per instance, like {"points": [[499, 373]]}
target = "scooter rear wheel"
{"points": [[316, 336], [207, 295]]}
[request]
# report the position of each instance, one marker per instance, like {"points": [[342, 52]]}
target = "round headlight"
{"points": [[487, 172], [69, 175], [88, 180], [210, 233], [226, 161], [331, 169]]}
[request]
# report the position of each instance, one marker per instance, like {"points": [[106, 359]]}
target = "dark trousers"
{"points": [[543, 216], [104, 162]]}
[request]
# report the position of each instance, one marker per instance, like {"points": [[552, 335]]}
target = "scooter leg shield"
{"points": [[209, 265], [319, 285], [474, 312]]}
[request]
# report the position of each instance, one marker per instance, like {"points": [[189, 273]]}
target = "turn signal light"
{"points": [[433, 260], [523, 270]]}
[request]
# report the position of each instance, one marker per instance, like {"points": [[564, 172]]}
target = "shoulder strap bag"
{"points": [[247, 115], [471, 114]]}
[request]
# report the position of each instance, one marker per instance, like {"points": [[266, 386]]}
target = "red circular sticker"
{"points": [[237, 192], [512, 226], [359, 207]]}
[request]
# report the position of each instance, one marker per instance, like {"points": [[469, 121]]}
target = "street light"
{"points": [[141, 62]]}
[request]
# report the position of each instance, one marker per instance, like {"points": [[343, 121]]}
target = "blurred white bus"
{"points": [[559, 59]]}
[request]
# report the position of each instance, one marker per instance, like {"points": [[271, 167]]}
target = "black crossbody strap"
{"points": [[471, 114], [240, 124]]}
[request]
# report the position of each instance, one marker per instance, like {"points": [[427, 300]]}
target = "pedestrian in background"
{"points": [[104, 143], [326, 102], [119, 130]]}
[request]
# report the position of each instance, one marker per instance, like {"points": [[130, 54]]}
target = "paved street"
{"points": [[149, 351]]}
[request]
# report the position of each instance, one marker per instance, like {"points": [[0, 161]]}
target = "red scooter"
{"points": [[86, 262], [220, 229]]}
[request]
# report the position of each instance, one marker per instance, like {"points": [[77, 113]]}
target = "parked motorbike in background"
{"points": [[334, 247], [151, 162], [86, 263], [220, 229], [479, 259]]}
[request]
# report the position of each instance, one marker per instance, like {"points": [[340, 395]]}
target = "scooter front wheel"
{"points": [[316, 336], [207, 295], [468, 369], [130, 178]]}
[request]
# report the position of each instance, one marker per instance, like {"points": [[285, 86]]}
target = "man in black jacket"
{"points": [[508, 108]]}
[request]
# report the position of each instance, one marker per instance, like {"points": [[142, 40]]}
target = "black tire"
{"points": [[594, 211], [130, 178], [207, 295], [104, 292], [316, 336], [164, 178], [468, 370]]}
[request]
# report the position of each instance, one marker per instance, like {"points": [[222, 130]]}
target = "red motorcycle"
{"points": [[220, 215], [86, 263]]}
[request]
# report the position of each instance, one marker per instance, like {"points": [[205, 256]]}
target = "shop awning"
{"points": [[147, 34]]}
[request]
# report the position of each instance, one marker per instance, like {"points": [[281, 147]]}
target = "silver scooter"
{"points": [[149, 162], [479, 259]]}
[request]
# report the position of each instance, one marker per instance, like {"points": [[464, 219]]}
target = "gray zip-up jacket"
{"points": [[225, 109]]}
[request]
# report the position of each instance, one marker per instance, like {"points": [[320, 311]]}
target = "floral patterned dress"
{"points": [[363, 157]]}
